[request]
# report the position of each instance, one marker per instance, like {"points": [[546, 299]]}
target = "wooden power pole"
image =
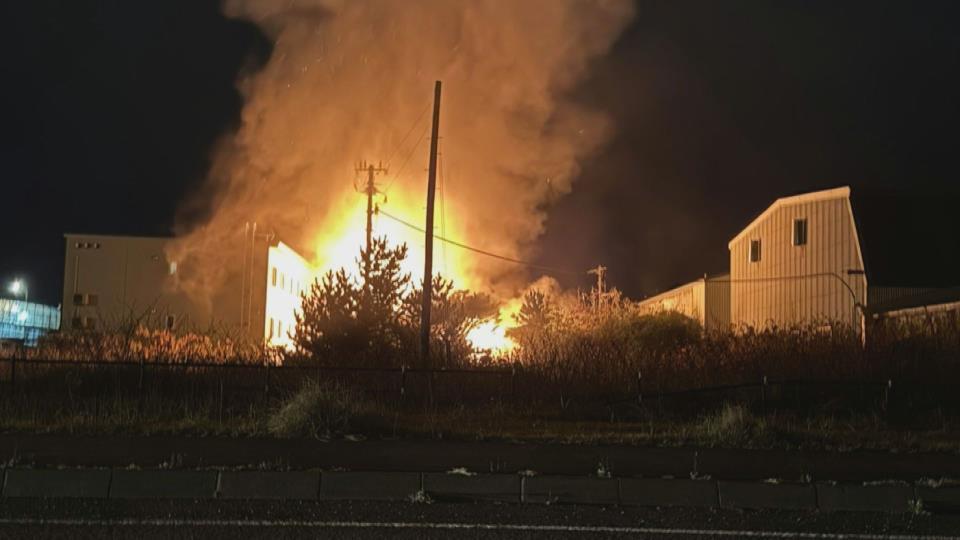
{"points": [[370, 189], [428, 246], [601, 272]]}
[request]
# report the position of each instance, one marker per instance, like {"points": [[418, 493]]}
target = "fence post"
{"points": [[266, 379], [886, 395], [403, 382], [639, 387], [140, 388], [220, 408], [763, 394]]}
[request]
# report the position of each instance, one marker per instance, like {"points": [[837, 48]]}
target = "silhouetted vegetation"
{"points": [[374, 321], [585, 363]]}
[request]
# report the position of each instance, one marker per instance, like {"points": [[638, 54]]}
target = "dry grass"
{"points": [[322, 410]]}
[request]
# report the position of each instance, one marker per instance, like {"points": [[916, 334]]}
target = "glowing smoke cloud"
{"points": [[346, 81]]}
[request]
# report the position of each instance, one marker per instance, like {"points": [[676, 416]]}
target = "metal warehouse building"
{"points": [[111, 281], [706, 300], [837, 256], [847, 256]]}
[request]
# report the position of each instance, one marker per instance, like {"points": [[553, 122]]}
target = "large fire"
{"points": [[340, 240], [349, 80]]}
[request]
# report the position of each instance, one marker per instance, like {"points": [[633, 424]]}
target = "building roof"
{"points": [[826, 194], [909, 238]]}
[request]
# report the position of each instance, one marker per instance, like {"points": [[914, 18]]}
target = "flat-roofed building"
{"points": [[705, 300], [112, 281]]}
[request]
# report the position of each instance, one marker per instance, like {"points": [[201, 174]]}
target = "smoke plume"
{"points": [[352, 80]]}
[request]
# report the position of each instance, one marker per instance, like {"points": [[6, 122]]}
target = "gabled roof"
{"points": [[908, 237], [835, 193]]}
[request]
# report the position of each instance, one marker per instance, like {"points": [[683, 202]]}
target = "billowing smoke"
{"points": [[352, 80]]}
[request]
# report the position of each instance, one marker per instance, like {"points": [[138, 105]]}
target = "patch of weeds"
{"points": [[321, 410], [420, 497], [731, 425]]}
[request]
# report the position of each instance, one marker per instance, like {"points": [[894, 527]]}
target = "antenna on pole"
{"points": [[428, 235]]}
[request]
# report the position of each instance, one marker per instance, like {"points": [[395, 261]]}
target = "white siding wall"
{"points": [[686, 299], [132, 279], [799, 285], [706, 301]]}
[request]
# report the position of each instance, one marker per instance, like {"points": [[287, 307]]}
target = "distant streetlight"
{"points": [[19, 285]]}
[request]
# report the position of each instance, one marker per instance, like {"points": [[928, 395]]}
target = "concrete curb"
{"points": [[507, 488], [767, 495], [370, 486], [570, 489], [163, 484], [664, 492], [292, 485], [869, 498], [486, 487], [940, 499], [73, 483]]}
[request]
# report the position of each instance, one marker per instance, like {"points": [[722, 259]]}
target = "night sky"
{"points": [[112, 108]]}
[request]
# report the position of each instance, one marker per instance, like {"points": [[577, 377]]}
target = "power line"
{"points": [[481, 251], [406, 160], [405, 137]]}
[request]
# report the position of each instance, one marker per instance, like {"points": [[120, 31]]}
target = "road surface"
{"points": [[212, 519]]}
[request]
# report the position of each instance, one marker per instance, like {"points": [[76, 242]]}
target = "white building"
{"points": [[837, 256], [111, 281], [844, 256], [799, 263], [705, 300]]}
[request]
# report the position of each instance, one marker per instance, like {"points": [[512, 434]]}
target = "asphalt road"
{"points": [[210, 520]]}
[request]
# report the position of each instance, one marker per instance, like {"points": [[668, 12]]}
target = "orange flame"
{"points": [[341, 238]]}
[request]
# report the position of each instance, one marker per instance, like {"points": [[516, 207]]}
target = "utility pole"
{"points": [[601, 272], [370, 189], [428, 237]]}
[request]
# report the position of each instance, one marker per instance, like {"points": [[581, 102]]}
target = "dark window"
{"points": [[78, 299], [270, 335], [76, 322], [273, 277], [755, 250], [170, 321], [800, 232], [92, 299]]}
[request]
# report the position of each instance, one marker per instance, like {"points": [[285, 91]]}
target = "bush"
{"points": [[321, 410]]}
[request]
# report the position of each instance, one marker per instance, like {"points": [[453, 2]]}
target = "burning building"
{"points": [[114, 281]]}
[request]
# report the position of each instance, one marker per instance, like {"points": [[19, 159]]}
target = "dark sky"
{"points": [[111, 109]]}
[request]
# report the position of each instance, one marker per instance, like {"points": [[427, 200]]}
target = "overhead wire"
{"points": [[461, 245], [406, 160], [409, 132]]}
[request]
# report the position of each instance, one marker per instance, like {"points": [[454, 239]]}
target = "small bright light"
{"points": [[16, 286]]}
